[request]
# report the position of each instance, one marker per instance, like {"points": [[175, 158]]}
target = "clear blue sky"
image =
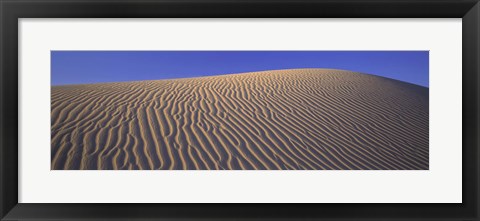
{"points": [[80, 67]]}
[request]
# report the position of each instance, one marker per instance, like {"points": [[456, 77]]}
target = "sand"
{"points": [[299, 119]]}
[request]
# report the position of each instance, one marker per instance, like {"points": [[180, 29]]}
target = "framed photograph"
{"points": [[239, 110]]}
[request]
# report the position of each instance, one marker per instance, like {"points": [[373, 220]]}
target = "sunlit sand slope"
{"points": [[299, 119]]}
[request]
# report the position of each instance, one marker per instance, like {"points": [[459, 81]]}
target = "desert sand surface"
{"points": [[297, 119]]}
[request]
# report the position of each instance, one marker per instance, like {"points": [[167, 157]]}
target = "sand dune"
{"points": [[298, 119]]}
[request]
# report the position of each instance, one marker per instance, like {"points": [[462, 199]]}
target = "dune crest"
{"points": [[299, 119]]}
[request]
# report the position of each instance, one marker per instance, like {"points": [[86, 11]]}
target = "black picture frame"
{"points": [[12, 10]]}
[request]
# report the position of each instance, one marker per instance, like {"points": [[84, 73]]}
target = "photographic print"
{"points": [[239, 110]]}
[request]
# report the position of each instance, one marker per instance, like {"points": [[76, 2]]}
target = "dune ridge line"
{"points": [[295, 119]]}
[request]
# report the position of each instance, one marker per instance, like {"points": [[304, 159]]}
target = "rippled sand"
{"points": [[299, 119]]}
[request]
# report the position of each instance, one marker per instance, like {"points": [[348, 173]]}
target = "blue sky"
{"points": [[81, 67]]}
